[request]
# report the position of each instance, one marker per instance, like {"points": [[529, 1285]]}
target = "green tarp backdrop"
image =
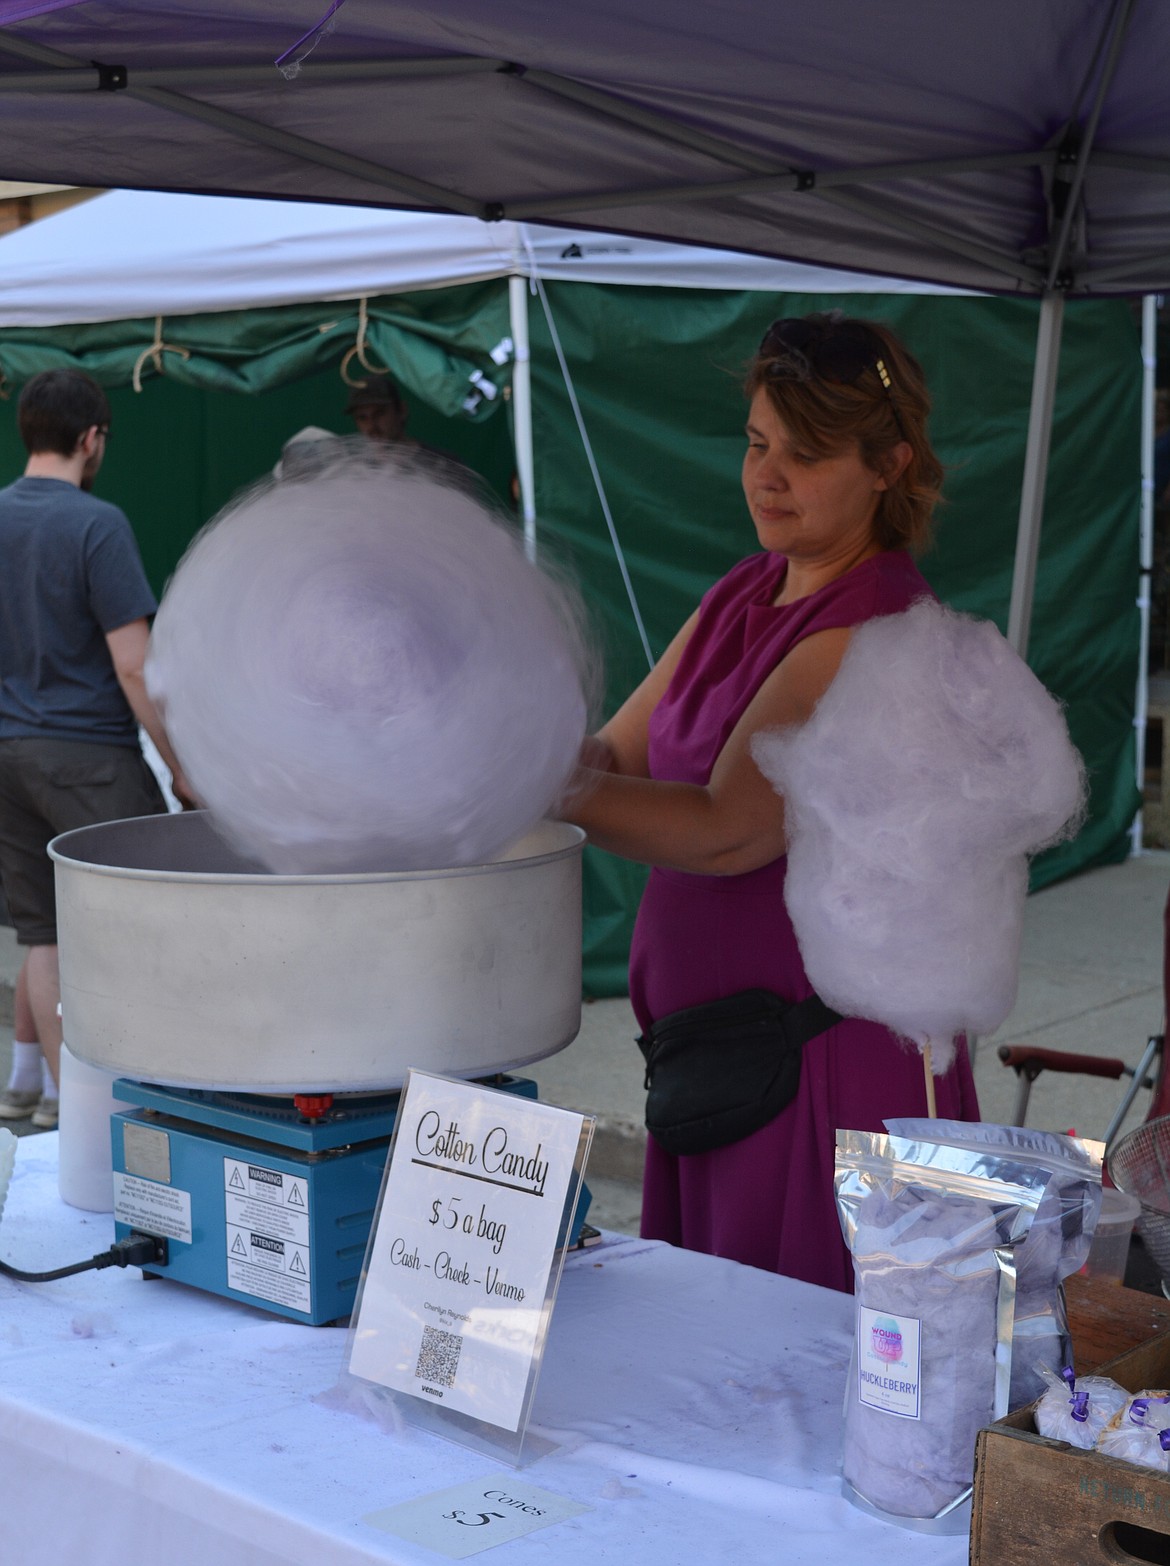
{"points": [[657, 374]]}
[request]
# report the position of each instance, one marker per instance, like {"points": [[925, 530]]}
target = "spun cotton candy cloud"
{"points": [[932, 767], [360, 670]]}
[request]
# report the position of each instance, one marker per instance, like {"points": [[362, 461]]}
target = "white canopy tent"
{"points": [[126, 254], [131, 253]]}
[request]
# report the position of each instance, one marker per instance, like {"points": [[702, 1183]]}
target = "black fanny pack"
{"points": [[718, 1072]]}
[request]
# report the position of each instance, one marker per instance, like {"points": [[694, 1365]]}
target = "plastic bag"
{"points": [[1077, 1411], [933, 1230], [1058, 1240], [1140, 1432]]}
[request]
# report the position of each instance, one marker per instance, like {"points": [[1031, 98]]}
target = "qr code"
{"points": [[438, 1358]]}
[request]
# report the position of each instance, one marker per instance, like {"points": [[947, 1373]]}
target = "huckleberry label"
{"points": [[889, 1362]]}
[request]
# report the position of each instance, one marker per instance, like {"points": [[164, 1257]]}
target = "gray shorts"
{"points": [[49, 786]]}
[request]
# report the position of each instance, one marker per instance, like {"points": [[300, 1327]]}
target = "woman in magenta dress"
{"points": [[840, 481]]}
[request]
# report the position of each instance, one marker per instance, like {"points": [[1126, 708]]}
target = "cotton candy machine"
{"points": [[259, 1025]]}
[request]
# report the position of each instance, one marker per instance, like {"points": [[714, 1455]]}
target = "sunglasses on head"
{"points": [[799, 350]]}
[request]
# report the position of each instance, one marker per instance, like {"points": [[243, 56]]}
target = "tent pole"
{"points": [[522, 408], [1035, 470], [1146, 553]]}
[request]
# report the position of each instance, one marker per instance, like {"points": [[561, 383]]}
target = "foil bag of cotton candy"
{"points": [[1058, 1241], [360, 670], [934, 1232], [934, 764]]}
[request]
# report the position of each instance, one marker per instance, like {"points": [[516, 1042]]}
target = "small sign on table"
{"points": [[475, 1516], [465, 1257]]}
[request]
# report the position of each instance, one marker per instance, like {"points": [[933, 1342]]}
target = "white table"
{"points": [[697, 1405]]}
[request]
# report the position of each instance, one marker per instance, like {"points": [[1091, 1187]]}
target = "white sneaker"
{"points": [[44, 1116], [17, 1106]]}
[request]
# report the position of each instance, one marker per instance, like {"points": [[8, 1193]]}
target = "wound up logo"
{"points": [[889, 1362], [886, 1339]]}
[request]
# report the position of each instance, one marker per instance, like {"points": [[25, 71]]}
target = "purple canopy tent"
{"points": [[1001, 147], [1005, 147]]}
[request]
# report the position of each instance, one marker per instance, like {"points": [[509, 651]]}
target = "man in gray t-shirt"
{"points": [[74, 608]]}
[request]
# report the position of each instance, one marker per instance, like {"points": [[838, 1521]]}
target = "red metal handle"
{"points": [[1021, 1057]]}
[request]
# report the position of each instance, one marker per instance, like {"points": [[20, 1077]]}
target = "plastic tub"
{"points": [[1109, 1252], [1139, 1163]]}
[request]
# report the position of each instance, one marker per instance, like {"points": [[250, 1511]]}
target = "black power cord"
{"points": [[137, 1250]]}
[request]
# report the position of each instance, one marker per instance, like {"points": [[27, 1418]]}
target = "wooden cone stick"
{"points": [[931, 1101]]}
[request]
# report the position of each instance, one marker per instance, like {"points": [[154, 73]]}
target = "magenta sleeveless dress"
{"points": [[768, 1199]]}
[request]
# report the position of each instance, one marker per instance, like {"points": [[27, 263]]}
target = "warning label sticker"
{"points": [[154, 1208], [267, 1200], [267, 1229]]}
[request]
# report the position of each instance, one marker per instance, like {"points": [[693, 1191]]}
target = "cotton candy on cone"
{"points": [[933, 766]]}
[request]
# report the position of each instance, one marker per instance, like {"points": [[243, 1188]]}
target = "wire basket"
{"points": [[1140, 1164]]}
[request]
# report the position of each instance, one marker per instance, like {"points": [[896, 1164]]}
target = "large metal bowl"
{"points": [[185, 964]]}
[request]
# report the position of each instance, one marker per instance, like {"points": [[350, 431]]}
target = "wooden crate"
{"points": [[1040, 1501], [1106, 1321]]}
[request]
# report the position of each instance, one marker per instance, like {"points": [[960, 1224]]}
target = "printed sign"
{"points": [[889, 1362], [453, 1306], [472, 1517]]}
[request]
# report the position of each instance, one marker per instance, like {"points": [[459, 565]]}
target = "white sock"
{"points": [[48, 1086], [26, 1067]]}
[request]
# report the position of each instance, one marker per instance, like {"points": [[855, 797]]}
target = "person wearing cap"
{"points": [[380, 412], [378, 409]]}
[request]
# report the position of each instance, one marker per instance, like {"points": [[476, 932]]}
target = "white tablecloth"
{"points": [[697, 1405]]}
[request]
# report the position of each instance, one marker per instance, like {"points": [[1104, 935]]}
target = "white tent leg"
{"points": [[1146, 552], [522, 409], [1035, 470]]}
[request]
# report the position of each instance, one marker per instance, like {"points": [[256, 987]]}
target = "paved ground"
{"points": [[1090, 982]]}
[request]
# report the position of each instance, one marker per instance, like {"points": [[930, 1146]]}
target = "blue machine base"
{"points": [[257, 1203]]}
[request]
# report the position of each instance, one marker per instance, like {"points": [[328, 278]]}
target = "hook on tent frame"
{"points": [[358, 351], [154, 353]]}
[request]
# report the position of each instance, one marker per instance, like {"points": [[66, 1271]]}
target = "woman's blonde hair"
{"points": [[835, 379]]}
